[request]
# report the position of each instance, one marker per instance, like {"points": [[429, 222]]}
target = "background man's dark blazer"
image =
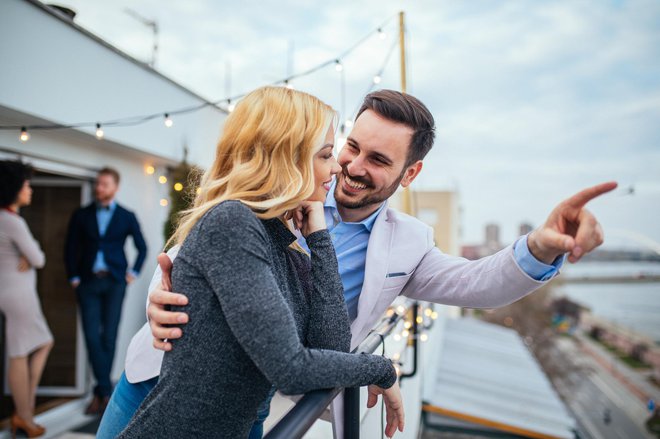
{"points": [[83, 242]]}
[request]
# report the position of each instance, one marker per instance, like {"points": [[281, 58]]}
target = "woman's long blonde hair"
{"points": [[264, 157]]}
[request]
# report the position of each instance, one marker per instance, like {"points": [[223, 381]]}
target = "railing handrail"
{"points": [[312, 405]]}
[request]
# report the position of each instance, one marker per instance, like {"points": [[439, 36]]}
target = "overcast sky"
{"points": [[533, 100]]}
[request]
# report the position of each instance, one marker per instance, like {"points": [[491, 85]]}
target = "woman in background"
{"points": [[29, 340]]}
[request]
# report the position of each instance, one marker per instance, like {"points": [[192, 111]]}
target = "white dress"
{"points": [[26, 327]]}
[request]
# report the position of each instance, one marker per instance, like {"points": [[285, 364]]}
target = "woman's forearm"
{"points": [[329, 325]]}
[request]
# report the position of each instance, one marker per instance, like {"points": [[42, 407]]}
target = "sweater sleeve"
{"points": [[27, 245], [329, 325], [230, 249]]}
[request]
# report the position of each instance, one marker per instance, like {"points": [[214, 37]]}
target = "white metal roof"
{"points": [[484, 373]]}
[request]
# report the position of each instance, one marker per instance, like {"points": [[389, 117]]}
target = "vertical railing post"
{"points": [[352, 413], [3, 347], [412, 341]]}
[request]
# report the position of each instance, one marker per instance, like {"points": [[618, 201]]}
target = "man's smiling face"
{"points": [[373, 161]]}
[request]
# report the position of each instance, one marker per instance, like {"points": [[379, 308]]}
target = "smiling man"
{"points": [[381, 252]]}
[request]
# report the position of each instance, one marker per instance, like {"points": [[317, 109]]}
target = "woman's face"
{"points": [[325, 167], [24, 197]]}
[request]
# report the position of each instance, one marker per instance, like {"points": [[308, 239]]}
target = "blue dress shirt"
{"points": [[103, 217], [351, 240]]}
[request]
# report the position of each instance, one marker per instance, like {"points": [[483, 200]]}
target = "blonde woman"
{"points": [[260, 314]]}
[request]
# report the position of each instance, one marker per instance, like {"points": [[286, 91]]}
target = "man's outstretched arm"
{"points": [[498, 280]]}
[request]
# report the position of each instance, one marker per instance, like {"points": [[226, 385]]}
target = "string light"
{"points": [[407, 325], [405, 333], [164, 202], [136, 120], [396, 356], [230, 106], [348, 123], [149, 169], [162, 179], [178, 187], [434, 315], [428, 312], [400, 309], [377, 79], [397, 337], [198, 191], [420, 319], [99, 131], [25, 136], [423, 337]]}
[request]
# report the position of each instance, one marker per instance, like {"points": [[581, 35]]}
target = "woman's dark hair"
{"points": [[13, 174], [408, 110]]}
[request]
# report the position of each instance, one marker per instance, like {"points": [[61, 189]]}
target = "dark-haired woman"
{"points": [[28, 338]]}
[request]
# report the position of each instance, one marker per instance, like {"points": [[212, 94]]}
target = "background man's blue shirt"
{"points": [[103, 217]]}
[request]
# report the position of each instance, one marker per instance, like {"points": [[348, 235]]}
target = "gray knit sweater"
{"points": [[255, 321]]}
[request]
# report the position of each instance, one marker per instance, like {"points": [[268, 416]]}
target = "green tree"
{"points": [[185, 180]]}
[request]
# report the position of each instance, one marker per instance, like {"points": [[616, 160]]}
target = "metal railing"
{"points": [[312, 405], [3, 347]]}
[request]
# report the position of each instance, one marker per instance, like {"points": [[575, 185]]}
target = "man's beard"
{"points": [[374, 198]]}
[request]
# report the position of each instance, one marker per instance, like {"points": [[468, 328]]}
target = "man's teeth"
{"points": [[355, 184]]}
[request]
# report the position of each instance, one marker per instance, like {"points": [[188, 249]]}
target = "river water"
{"points": [[632, 305]]}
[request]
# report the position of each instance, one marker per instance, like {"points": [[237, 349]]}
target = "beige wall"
{"points": [[438, 209]]}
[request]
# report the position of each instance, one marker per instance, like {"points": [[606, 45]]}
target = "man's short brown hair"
{"points": [[409, 111], [110, 171]]}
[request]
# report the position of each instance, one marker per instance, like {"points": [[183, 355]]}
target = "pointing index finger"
{"points": [[583, 197]]}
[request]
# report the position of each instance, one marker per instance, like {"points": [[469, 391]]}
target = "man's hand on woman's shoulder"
{"points": [[159, 317]]}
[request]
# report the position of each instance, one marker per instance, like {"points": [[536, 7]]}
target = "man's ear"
{"points": [[412, 171]]}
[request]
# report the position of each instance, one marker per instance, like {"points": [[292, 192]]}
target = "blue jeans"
{"points": [[123, 404], [127, 398], [100, 301]]}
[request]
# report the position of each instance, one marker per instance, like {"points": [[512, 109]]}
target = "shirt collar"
{"points": [[279, 232], [110, 207], [368, 222]]}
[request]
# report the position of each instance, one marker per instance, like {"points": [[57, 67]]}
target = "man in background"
{"points": [[98, 270]]}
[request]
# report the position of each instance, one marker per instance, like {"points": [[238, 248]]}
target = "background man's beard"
{"points": [[371, 199]]}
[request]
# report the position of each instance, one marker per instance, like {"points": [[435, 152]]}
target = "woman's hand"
{"points": [[309, 217], [23, 264], [393, 406]]}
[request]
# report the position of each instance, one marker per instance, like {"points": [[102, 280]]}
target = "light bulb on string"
{"points": [[25, 136], [162, 179], [168, 121], [230, 106], [164, 202], [178, 187], [149, 169], [99, 131], [424, 337], [377, 79], [288, 84], [348, 123], [338, 65], [381, 34]]}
